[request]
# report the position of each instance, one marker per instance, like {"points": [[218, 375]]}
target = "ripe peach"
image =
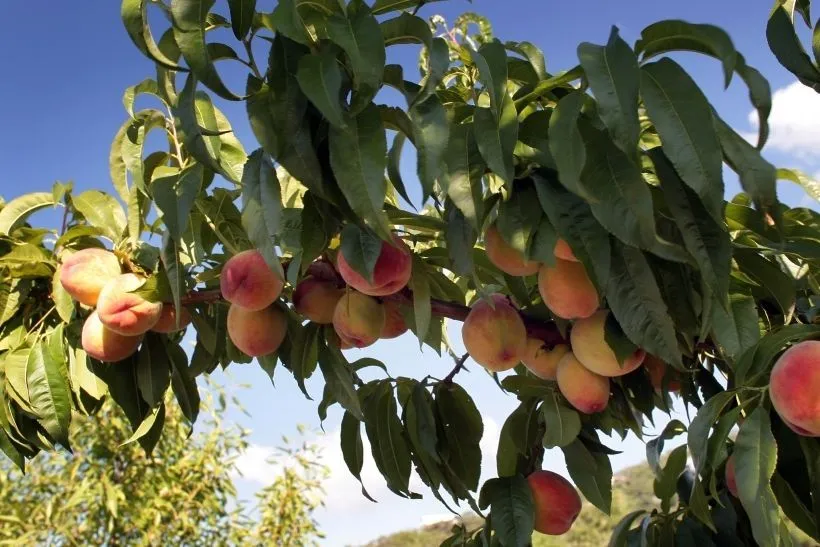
{"points": [[125, 312], [591, 349], [794, 387], [257, 332], [657, 370], [104, 344], [394, 324], [563, 251], [168, 320], [504, 257], [316, 299], [391, 273], [358, 319], [495, 338], [541, 361], [731, 480], [557, 503], [84, 274], [586, 391], [567, 290], [248, 281]]}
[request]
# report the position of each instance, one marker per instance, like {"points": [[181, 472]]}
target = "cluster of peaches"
{"points": [[496, 337], [114, 330]]}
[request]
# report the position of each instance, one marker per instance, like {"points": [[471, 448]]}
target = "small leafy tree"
{"points": [[605, 179]]}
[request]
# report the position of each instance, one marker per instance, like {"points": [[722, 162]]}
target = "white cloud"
{"points": [[793, 123], [253, 465]]}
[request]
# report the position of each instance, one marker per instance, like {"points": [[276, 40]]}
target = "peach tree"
{"points": [[574, 221]]}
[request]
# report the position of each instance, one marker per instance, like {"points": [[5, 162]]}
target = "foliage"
{"points": [[630, 175], [109, 491]]}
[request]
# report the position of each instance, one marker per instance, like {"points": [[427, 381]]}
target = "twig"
{"points": [[459, 366]]}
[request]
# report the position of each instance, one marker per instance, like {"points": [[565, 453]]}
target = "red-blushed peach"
{"points": [[794, 387], [126, 312], [567, 290], [247, 280], [563, 251], [731, 480], [495, 337], [658, 372], [84, 274], [390, 275], [316, 299], [542, 361], [257, 332], [104, 344], [394, 324], [586, 391], [557, 503], [590, 347], [504, 257], [168, 320], [358, 319]]}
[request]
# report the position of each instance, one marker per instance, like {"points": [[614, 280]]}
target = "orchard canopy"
{"points": [[574, 221]]}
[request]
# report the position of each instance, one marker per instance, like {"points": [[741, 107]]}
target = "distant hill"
{"points": [[632, 489]]}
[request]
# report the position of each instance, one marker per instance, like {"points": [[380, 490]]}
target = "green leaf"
{"points": [[420, 422], [788, 50], [683, 117], [174, 270], [463, 429], [358, 156], [619, 537], [48, 388], [149, 425], [183, 382], [461, 237], [760, 95], [667, 478], [792, 507], [623, 202], [769, 276], [339, 379], [153, 369], [63, 302], [387, 443], [567, 145], [304, 354], [591, 472], [706, 240], [148, 87], [359, 35], [496, 136], [262, 206], [654, 448], [758, 361], [242, 12], [462, 172], [755, 456], [738, 330], [174, 196], [757, 176], [385, 6], [102, 211], [135, 17], [615, 79], [513, 509], [320, 78], [811, 186], [561, 423], [361, 249], [431, 132], [637, 304], [518, 218], [420, 285], [352, 449], [518, 439], [189, 32], [406, 29], [491, 61], [16, 211], [701, 425]]}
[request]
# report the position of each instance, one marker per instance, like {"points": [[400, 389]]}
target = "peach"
{"points": [[168, 320], [586, 391], [247, 280], [316, 299], [657, 370], [591, 349], [358, 319], [495, 338], [257, 332], [104, 344], [563, 251], [731, 480], [794, 387], [504, 257], [567, 290], [125, 312], [557, 503], [390, 275], [394, 324], [84, 274], [542, 361]]}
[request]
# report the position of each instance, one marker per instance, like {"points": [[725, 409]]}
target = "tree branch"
{"points": [[459, 365]]}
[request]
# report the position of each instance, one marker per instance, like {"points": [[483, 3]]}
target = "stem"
{"points": [[459, 366], [251, 60], [65, 220]]}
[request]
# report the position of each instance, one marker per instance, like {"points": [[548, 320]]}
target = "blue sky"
{"points": [[64, 71]]}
